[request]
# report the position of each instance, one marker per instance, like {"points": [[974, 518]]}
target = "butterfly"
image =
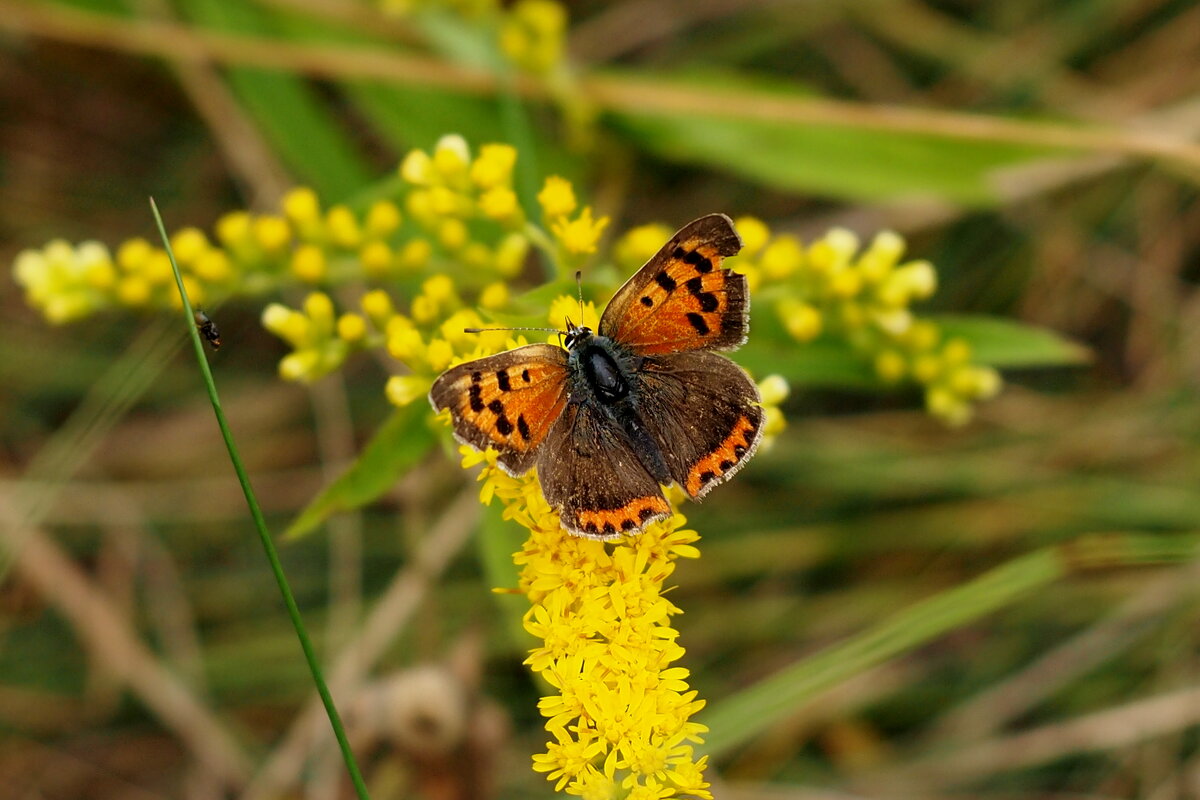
{"points": [[614, 414]]}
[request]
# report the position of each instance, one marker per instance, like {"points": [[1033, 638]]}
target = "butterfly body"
{"points": [[612, 415]]}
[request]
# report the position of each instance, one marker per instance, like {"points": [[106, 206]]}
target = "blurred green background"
{"points": [[885, 607]]}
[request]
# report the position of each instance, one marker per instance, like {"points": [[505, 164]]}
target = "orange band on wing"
{"points": [[632, 516], [727, 455]]}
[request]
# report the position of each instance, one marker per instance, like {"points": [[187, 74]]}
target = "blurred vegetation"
{"points": [[885, 607]]}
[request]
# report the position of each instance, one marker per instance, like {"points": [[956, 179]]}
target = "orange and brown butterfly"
{"points": [[613, 415]]}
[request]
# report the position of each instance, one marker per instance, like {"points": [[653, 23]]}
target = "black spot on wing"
{"points": [[523, 427], [475, 396], [502, 381], [665, 281], [698, 323], [496, 407], [697, 260], [647, 302]]}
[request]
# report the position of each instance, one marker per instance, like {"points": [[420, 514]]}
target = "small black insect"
{"points": [[208, 329]]}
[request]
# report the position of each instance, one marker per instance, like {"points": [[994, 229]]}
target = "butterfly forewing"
{"points": [[682, 299], [721, 426], [592, 475], [508, 401]]}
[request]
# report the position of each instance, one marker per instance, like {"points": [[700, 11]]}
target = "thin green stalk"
{"points": [[260, 524]]}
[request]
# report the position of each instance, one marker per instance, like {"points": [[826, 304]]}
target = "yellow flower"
{"points": [[581, 235], [557, 197]]}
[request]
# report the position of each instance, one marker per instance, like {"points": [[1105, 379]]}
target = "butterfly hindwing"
{"points": [[682, 299], [703, 413], [591, 474], [508, 401]]}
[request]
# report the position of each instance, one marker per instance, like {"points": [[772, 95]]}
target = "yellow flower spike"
{"points": [[416, 254], [402, 390], [493, 168], [378, 307], [581, 235], [417, 168], [189, 244], [494, 296], [754, 233], [132, 254], [557, 197], [272, 234], [511, 254], [890, 366], [377, 259], [438, 354], [308, 263], [452, 234], [782, 257], [639, 244], [213, 266], [351, 328], [303, 209], [344, 230], [383, 219], [499, 203]]}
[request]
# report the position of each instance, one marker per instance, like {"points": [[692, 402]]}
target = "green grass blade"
{"points": [[260, 524]]}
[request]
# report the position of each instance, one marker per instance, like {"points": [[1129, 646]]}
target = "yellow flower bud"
{"points": [[272, 234], [319, 309], [302, 207], [188, 245], [453, 234], [947, 406], [233, 229], [754, 233], [493, 168], [132, 254], [557, 197], [377, 305], [956, 351], [926, 368], [919, 278], [343, 227], [417, 168], [922, 336], [100, 274], [890, 366], [308, 263], [376, 258], [416, 254], [879, 259], [451, 156], [351, 327], [424, 309], [133, 291], [494, 296], [439, 288], [299, 366], [213, 266], [782, 257], [383, 218], [439, 354], [774, 390], [498, 203], [404, 342], [510, 255], [404, 389], [157, 269], [802, 321]]}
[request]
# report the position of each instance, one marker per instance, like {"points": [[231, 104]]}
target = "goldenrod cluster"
{"points": [[834, 287]]}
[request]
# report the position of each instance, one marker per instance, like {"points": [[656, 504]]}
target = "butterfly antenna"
{"points": [[579, 286], [486, 330]]}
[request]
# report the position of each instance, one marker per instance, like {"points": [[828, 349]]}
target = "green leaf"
{"points": [[400, 443], [840, 161], [1006, 343]]}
